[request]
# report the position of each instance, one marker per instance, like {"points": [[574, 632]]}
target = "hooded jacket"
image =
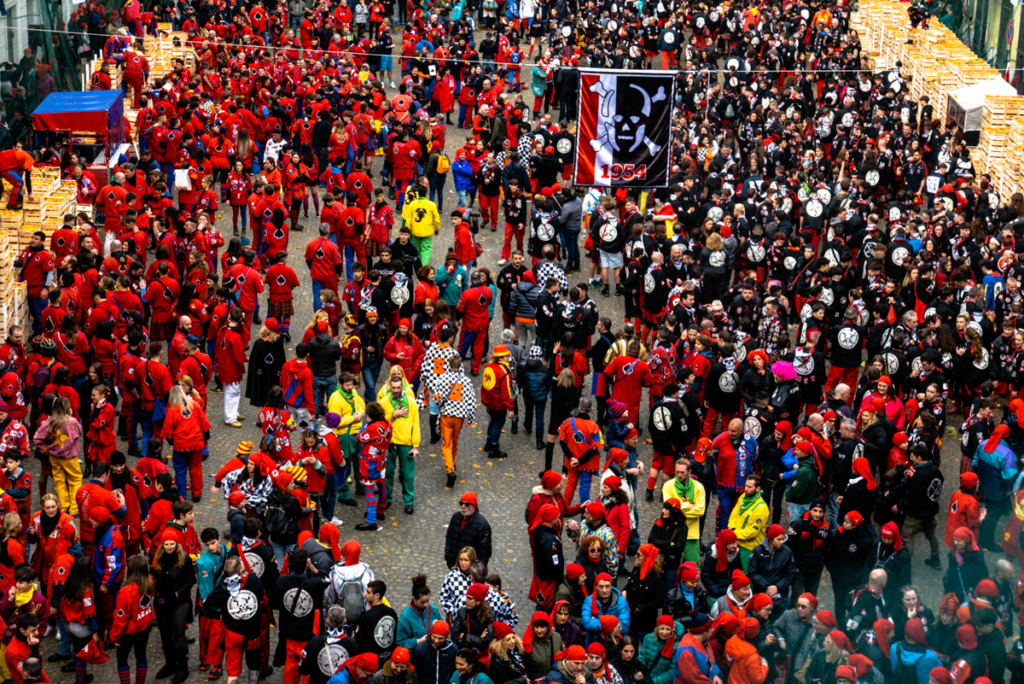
{"points": [[434, 665], [616, 605], [746, 664], [912, 658], [324, 355]]}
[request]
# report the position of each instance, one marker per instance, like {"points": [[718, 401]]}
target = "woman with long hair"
{"points": [[58, 438], [424, 319], [276, 423], [458, 579], [239, 189], [77, 610], [100, 438], [187, 428], [406, 351], [473, 624], [233, 253], [198, 272], [565, 397], [246, 153], [45, 533], [507, 666], [12, 551], [310, 167], [174, 576], [133, 619], [266, 360]]}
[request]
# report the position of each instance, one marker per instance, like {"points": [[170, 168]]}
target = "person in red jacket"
{"points": [[231, 360], [100, 436], [465, 248], [282, 280], [133, 619], [580, 438], [496, 396], [24, 646], [406, 350], [162, 296], [325, 263], [136, 71], [406, 154], [136, 500], [239, 186], [197, 366], [475, 309], [617, 515], [94, 494], [628, 376], [155, 382], [187, 429], [297, 383], [248, 285], [36, 264]]}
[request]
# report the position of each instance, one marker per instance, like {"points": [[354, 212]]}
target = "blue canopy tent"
{"points": [[100, 112]]}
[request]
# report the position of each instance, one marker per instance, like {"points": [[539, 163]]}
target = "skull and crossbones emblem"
{"points": [[625, 132]]}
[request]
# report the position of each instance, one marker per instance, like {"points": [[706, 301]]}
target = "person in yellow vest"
{"points": [[496, 396], [401, 411], [692, 502], [749, 518], [347, 403]]}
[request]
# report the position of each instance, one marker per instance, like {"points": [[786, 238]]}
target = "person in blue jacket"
{"points": [[606, 600], [462, 173], [356, 670], [996, 466], [434, 657], [913, 658]]}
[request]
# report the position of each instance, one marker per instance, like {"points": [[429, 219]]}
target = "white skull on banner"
{"points": [[624, 132]]}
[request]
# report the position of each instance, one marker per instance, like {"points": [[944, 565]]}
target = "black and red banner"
{"points": [[624, 136]]}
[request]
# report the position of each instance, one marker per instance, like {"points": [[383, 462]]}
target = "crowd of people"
{"points": [[823, 283]]}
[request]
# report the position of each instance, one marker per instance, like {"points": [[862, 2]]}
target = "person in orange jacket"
{"points": [[746, 664], [187, 429], [964, 509]]}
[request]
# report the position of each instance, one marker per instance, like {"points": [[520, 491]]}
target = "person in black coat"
{"points": [[243, 615], [889, 555], [966, 565], [331, 635], [506, 666], [548, 559], [473, 625], [847, 560], [468, 527], [716, 580], [809, 538], [267, 358], [645, 591], [668, 534], [990, 643], [627, 663], [771, 568], [686, 595], [174, 575], [861, 492], [376, 632]]}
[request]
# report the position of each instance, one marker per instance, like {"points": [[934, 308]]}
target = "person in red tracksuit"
{"points": [[136, 71], [100, 436], [475, 309], [231, 360], [628, 376], [282, 280], [187, 429], [94, 494], [133, 619], [248, 285]]}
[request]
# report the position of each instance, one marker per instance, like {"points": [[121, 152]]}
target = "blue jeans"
{"points": [[534, 408], [65, 639], [147, 430], [437, 188], [280, 551], [463, 198], [572, 248], [317, 287], [496, 424], [330, 497], [323, 386], [726, 500], [370, 374], [350, 258], [37, 311], [295, 22], [463, 110], [833, 511]]}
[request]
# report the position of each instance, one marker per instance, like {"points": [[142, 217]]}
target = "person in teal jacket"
{"points": [[606, 600], [657, 652], [415, 621], [356, 670], [209, 567], [452, 283]]}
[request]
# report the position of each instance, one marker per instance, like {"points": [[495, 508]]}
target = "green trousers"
{"points": [[350, 448], [423, 246], [399, 456]]}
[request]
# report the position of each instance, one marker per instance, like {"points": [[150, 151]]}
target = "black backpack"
{"points": [[278, 522]]}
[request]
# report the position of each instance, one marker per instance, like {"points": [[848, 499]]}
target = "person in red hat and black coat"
{"points": [[548, 558]]}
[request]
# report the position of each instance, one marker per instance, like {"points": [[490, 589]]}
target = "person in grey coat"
{"points": [[296, 12], [523, 308], [569, 221], [795, 631]]}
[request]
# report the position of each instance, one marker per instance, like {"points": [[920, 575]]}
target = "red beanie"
{"points": [[774, 531], [760, 601], [477, 591], [739, 580]]}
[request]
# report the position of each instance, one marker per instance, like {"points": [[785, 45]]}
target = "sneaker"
{"points": [[203, 667], [605, 292], [392, 84], [241, 417], [649, 496], [58, 658], [502, 262], [409, 510], [366, 527], [451, 480], [234, 424], [215, 673]]}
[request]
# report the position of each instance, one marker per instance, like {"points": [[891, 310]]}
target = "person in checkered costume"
{"points": [[432, 369], [456, 399], [551, 268]]}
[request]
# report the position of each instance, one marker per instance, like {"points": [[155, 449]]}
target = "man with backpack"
{"points": [[348, 583]]}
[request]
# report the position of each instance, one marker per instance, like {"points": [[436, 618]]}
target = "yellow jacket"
{"points": [[338, 404], [692, 510], [749, 526], [404, 431], [422, 218]]}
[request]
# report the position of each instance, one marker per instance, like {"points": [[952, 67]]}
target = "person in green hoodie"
{"points": [[804, 486], [209, 567], [415, 621]]}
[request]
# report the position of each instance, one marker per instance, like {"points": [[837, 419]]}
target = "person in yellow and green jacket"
{"points": [[347, 403], [749, 518], [692, 502], [401, 411]]}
